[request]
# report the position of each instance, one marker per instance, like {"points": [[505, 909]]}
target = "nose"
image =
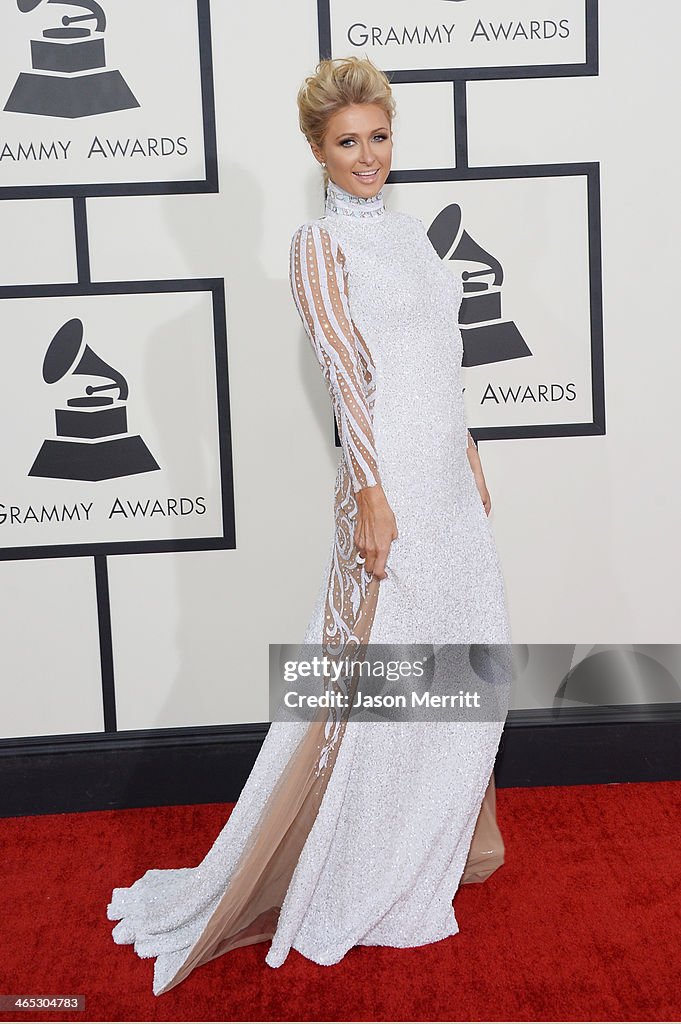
{"points": [[366, 156]]}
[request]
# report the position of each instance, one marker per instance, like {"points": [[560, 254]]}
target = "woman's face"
{"points": [[358, 139]]}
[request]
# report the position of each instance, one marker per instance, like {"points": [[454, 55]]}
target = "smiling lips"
{"points": [[367, 175]]}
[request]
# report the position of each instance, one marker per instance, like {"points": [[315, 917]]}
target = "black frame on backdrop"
{"points": [[588, 67], [227, 538], [209, 183]]}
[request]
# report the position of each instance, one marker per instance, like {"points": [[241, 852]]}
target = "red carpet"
{"points": [[583, 922]]}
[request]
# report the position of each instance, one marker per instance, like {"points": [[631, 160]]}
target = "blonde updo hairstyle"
{"points": [[337, 84]]}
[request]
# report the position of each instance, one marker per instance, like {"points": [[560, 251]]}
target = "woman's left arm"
{"points": [[479, 476]]}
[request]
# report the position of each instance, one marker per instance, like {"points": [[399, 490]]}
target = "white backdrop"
{"points": [[586, 525]]}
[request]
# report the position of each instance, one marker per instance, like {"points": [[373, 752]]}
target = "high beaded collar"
{"points": [[340, 201]]}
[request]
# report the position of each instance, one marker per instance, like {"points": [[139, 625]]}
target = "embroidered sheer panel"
{"points": [[319, 286]]}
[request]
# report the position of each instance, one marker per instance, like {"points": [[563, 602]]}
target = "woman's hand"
{"points": [[375, 529], [479, 476]]}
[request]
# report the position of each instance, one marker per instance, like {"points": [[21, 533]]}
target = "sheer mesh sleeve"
{"points": [[319, 287]]}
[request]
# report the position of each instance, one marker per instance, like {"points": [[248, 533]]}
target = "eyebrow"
{"points": [[342, 134]]}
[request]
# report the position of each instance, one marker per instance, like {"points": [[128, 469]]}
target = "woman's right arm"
{"points": [[319, 290]]}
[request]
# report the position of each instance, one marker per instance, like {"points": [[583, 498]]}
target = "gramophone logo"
{"points": [[487, 336], [92, 441], [69, 77], [602, 676]]}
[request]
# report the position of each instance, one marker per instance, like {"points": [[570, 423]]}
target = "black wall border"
{"points": [[210, 764]]}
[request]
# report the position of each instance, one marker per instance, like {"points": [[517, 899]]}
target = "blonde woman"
{"points": [[353, 833]]}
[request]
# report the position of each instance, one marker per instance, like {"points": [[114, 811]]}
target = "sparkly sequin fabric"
{"points": [[357, 833]]}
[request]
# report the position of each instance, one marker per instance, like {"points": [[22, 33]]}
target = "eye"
{"points": [[382, 137]]}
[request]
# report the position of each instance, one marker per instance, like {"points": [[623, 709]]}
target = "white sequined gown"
{"points": [[359, 836]]}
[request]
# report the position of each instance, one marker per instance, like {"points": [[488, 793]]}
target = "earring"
{"points": [[323, 164]]}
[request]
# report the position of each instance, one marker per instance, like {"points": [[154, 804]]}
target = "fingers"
{"points": [[375, 557], [372, 551], [379, 566]]}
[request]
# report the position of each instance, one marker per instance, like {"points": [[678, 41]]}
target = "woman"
{"points": [[352, 832]]}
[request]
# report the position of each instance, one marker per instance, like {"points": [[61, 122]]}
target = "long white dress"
{"points": [[357, 833]]}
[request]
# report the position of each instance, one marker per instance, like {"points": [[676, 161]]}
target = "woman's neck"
{"points": [[340, 201]]}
